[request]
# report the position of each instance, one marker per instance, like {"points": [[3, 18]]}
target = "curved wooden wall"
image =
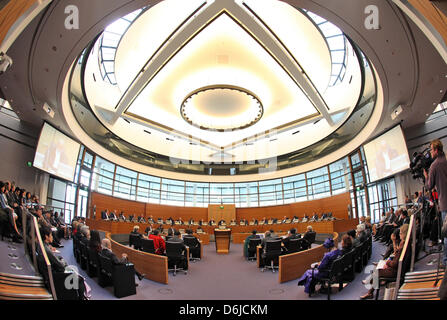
{"points": [[11, 13], [337, 204], [292, 266]]}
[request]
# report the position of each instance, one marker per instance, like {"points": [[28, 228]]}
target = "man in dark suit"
{"points": [[121, 216], [194, 248], [113, 216], [291, 235], [105, 214], [222, 222], [107, 252], [308, 237], [131, 218], [267, 236], [247, 241], [177, 238], [141, 219]]}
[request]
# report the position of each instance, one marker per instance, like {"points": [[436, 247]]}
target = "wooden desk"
{"points": [[222, 238]]}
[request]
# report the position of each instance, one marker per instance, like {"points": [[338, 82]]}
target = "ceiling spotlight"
{"points": [[396, 112]]}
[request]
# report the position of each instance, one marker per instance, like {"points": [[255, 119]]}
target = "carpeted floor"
{"points": [[224, 277], [215, 277]]}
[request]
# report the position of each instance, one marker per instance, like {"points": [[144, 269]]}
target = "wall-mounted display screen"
{"points": [[387, 154], [56, 153]]}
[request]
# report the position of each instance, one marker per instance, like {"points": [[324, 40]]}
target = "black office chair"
{"points": [[83, 255], [271, 254], [348, 265], [335, 275], [120, 276], [147, 245], [135, 241], [252, 245], [358, 259], [293, 245], [194, 247], [93, 263], [176, 257], [62, 292], [308, 240]]}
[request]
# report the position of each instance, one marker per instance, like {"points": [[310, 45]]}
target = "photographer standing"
{"points": [[438, 177]]}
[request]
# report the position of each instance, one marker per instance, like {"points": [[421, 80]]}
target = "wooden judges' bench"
{"points": [[238, 232]]}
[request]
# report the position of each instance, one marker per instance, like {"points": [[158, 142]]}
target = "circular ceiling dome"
{"points": [[221, 108]]}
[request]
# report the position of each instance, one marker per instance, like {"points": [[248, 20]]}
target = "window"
{"points": [[318, 183], [103, 176], [125, 183]]}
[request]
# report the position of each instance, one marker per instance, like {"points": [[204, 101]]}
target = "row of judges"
{"points": [[112, 216]]}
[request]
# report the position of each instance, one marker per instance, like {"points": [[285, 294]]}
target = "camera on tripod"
{"points": [[421, 160]]}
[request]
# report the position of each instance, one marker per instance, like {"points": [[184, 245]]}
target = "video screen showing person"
{"points": [[56, 153], [387, 154]]}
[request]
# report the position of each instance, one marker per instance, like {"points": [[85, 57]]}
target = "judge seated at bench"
{"points": [[113, 216], [150, 219], [191, 221], [233, 222], [305, 218], [323, 217], [314, 217], [212, 222], [253, 222], [295, 219], [285, 220], [263, 221], [105, 214], [140, 219], [121, 216], [222, 222]]}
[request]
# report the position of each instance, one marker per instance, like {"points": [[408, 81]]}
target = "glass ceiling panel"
{"points": [[336, 42]]}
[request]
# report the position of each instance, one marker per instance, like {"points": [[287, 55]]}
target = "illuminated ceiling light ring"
{"points": [[221, 108]]}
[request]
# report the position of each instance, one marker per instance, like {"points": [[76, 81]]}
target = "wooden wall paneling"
{"points": [[11, 12], [227, 212]]}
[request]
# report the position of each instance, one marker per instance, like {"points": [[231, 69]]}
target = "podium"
{"points": [[222, 238]]}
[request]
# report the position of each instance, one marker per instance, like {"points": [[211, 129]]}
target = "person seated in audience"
{"points": [[199, 230], [390, 268], [107, 252], [253, 235], [346, 244], [58, 263], [362, 220], [159, 242], [273, 234], [13, 202], [95, 241], [391, 217], [136, 232], [395, 239], [85, 235], [141, 219], [360, 236], [177, 238], [295, 219], [353, 234], [368, 226], [402, 218], [60, 224], [43, 221], [305, 218], [292, 234], [233, 222], [319, 270], [308, 235], [170, 232], [122, 217], [148, 230], [222, 222], [105, 215], [9, 215], [267, 236], [195, 251]]}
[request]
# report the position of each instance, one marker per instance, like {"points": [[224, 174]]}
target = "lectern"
{"points": [[222, 238]]}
